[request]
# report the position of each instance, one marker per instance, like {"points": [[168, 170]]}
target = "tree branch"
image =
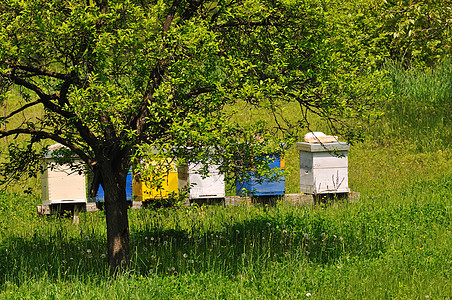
{"points": [[40, 71], [245, 23], [47, 135], [200, 91], [45, 99], [191, 9], [33, 87], [24, 107], [170, 16]]}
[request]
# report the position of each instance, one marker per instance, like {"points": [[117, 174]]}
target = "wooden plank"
{"points": [[293, 199]]}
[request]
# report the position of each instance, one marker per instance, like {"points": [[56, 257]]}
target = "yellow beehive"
{"points": [[145, 189]]}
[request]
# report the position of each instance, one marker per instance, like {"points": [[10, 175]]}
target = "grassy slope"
{"points": [[394, 243]]}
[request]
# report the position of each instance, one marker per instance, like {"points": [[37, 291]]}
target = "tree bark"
{"points": [[114, 185]]}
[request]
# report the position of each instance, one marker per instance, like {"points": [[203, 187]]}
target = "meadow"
{"points": [[394, 243]]}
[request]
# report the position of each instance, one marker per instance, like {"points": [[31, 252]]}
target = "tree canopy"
{"points": [[116, 79]]}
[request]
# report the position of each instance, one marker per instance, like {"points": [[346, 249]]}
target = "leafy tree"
{"points": [[118, 79], [416, 32]]}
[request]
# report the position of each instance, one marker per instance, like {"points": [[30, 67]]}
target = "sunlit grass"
{"points": [[386, 244], [393, 243]]}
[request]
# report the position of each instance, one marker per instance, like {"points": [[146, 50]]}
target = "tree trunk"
{"points": [[114, 185]]}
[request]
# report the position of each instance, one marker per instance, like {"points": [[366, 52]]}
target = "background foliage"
{"points": [[394, 243]]}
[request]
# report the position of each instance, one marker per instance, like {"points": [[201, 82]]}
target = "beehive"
{"points": [[211, 186], [100, 197], [323, 167], [254, 187], [60, 184], [143, 189]]}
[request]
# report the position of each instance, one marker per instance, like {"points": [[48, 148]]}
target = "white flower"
{"points": [[308, 294]]}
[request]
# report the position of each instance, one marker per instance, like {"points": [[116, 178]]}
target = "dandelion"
{"points": [[102, 255], [185, 255], [308, 294], [306, 236]]}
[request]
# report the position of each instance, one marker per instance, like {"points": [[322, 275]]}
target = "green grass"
{"points": [[385, 246], [392, 244]]}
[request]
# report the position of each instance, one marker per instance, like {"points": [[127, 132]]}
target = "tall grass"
{"points": [[420, 106], [393, 243], [383, 246]]}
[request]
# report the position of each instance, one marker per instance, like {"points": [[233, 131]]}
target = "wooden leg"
{"points": [[76, 217]]}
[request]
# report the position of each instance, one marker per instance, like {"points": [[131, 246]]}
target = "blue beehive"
{"points": [[101, 194], [252, 187]]}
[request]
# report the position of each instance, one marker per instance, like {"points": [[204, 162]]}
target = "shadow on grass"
{"points": [[256, 243]]}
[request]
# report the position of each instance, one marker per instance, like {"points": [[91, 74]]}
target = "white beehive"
{"points": [[60, 184], [210, 186], [323, 166]]}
